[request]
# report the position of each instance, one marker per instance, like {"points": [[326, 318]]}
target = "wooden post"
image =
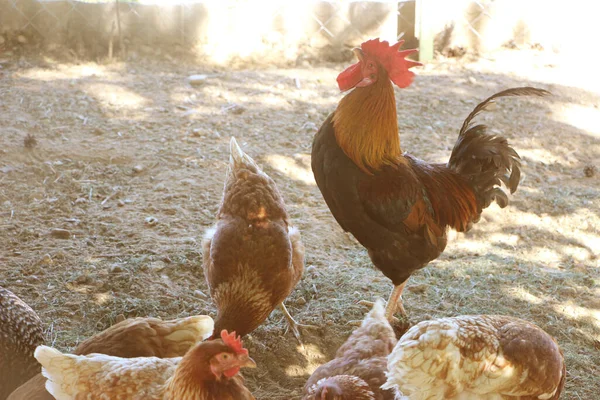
{"points": [[424, 29], [121, 48]]}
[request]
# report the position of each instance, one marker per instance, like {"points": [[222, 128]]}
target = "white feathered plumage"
{"points": [[483, 357]]}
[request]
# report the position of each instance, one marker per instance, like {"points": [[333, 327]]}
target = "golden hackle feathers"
{"points": [[366, 126]]}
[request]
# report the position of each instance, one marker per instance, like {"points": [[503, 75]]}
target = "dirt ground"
{"points": [[130, 160]]}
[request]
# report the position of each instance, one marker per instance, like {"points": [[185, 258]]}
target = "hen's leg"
{"points": [[395, 303], [293, 324]]}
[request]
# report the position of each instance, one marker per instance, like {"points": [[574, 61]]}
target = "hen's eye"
{"points": [[370, 65], [225, 356], [372, 76]]}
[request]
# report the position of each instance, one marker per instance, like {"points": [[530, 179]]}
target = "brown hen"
{"points": [[253, 257], [207, 371], [135, 337], [21, 332], [358, 369]]}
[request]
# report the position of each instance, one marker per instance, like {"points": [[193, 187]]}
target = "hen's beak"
{"points": [[246, 362], [358, 53]]}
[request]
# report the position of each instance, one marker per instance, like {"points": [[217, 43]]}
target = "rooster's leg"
{"points": [[395, 303], [293, 324]]}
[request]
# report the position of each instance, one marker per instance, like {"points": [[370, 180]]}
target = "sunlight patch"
{"points": [[581, 117], [542, 156], [63, 72], [577, 312], [102, 298], [524, 295], [116, 96], [293, 168], [314, 358]]}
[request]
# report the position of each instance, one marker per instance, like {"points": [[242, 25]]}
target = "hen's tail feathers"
{"points": [[183, 333], [238, 158], [56, 368], [487, 160], [377, 313]]}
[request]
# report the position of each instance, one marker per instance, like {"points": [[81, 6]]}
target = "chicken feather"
{"points": [[358, 369], [252, 257], [208, 371], [397, 206], [71, 376], [134, 337], [146, 337], [483, 357], [21, 330]]}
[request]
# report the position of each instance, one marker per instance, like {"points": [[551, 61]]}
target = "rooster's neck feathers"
{"points": [[366, 125]]}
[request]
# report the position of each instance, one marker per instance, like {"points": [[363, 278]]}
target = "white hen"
{"points": [[483, 357]]}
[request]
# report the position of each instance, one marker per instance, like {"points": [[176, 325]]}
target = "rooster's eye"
{"points": [[373, 76], [370, 65], [225, 356]]}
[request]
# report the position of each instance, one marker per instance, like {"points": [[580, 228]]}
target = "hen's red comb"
{"points": [[392, 60], [234, 342]]}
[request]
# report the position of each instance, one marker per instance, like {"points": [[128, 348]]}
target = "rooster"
{"points": [[207, 371], [358, 369], [253, 258], [397, 206], [486, 357], [134, 337], [21, 331]]}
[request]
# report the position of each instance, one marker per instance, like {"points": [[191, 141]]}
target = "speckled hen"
{"points": [[484, 357], [20, 333], [253, 257]]}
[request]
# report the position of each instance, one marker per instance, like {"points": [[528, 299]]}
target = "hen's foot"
{"points": [[295, 325]]}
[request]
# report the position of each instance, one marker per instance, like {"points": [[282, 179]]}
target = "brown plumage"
{"points": [[253, 258], [21, 331], [135, 337], [486, 357], [358, 369], [397, 206], [149, 337], [208, 371]]}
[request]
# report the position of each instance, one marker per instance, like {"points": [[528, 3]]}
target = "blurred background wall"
{"points": [[289, 31]]}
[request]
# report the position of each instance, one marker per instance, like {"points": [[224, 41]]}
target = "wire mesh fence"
{"points": [[95, 27]]}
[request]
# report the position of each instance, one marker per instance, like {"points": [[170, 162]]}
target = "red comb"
{"points": [[234, 342], [392, 60]]}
